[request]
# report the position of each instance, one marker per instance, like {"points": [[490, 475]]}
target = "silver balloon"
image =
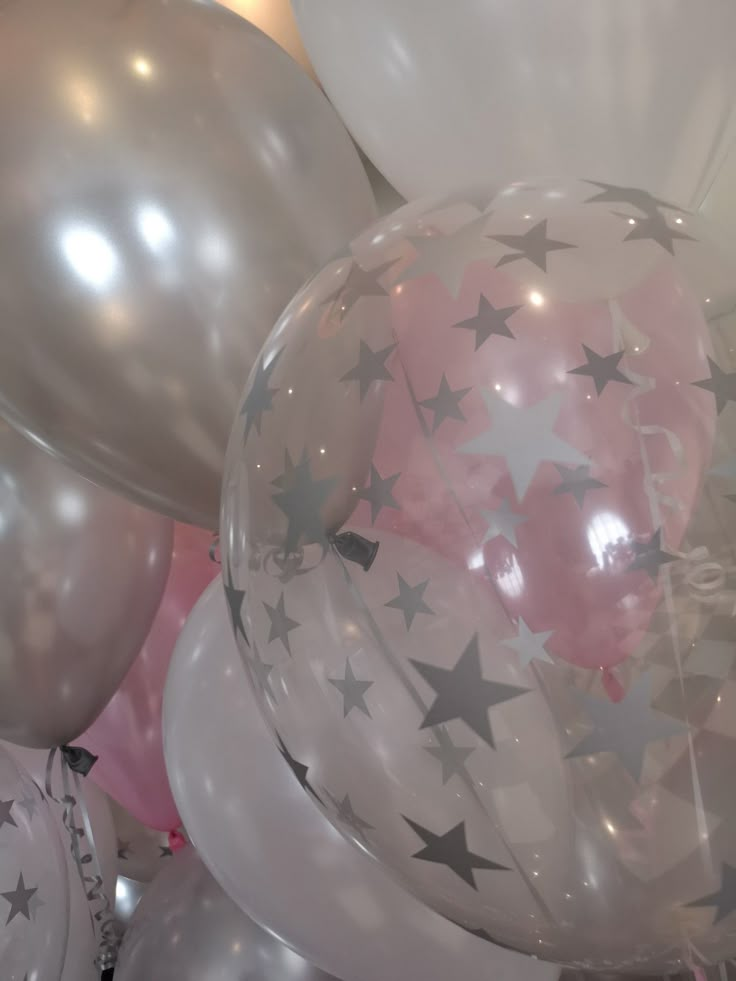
{"points": [[34, 897], [274, 853], [171, 177], [187, 929], [515, 654], [83, 572]]}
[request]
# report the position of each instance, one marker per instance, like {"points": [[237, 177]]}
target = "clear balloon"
{"points": [[126, 737], [440, 95], [512, 650], [34, 896], [271, 849], [186, 929], [142, 852], [83, 572], [82, 946], [172, 177]]}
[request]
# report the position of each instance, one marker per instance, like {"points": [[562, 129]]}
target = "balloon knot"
{"points": [[355, 548], [177, 841], [78, 759]]}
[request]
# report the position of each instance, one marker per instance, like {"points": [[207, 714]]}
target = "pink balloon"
{"points": [[127, 735]]}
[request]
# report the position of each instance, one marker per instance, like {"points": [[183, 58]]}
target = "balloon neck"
{"points": [[78, 759], [177, 841], [355, 548]]}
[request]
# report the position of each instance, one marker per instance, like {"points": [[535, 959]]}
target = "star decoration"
{"points": [[601, 368], [483, 934], [489, 320], [451, 757], [166, 852], [649, 556], [528, 645], [576, 481], [655, 227], [523, 436], [345, 813], [235, 599], [359, 283], [625, 728], [261, 671], [463, 693], [29, 805], [451, 849], [260, 397], [370, 367], [352, 690], [410, 600], [724, 898], [721, 383], [302, 498], [123, 849], [614, 194], [532, 245], [281, 624], [18, 899], [503, 522], [446, 403], [448, 256], [299, 770], [379, 493], [5, 816]]}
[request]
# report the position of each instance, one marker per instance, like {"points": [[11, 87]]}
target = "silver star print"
{"points": [[261, 672], [410, 600], [29, 805], [463, 693], [379, 493], [370, 368], [654, 226], [724, 898], [448, 256], [302, 498], [451, 757], [352, 690], [19, 899], [524, 438], [502, 521], [489, 320], [532, 245], [234, 599], [601, 368], [281, 623], [299, 770], [528, 645], [5, 816], [451, 849], [721, 383], [576, 481], [615, 194], [649, 556], [625, 728], [359, 283], [446, 403], [345, 813], [260, 397]]}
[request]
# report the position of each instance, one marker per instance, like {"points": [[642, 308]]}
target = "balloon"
{"points": [[127, 735], [142, 852], [535, 585], [34, 898], [82, 573], [272, 851], [172, 178], [186, 928], [82, 945], [128, 894], [275, 18], [439, 96]]}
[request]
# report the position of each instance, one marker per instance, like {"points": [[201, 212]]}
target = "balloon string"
{"points": [[100, 910]]}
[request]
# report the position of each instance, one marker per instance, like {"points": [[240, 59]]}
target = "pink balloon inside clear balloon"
{"points": [[127, 735]]}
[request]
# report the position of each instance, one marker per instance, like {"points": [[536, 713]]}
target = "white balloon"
{"points": [[440, 95], [272, 851]]}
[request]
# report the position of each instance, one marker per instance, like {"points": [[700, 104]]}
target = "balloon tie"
{"points": [[100, 910]]}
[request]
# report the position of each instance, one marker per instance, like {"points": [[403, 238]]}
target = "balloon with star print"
{"points": [[513, 646], [34, 898]]}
